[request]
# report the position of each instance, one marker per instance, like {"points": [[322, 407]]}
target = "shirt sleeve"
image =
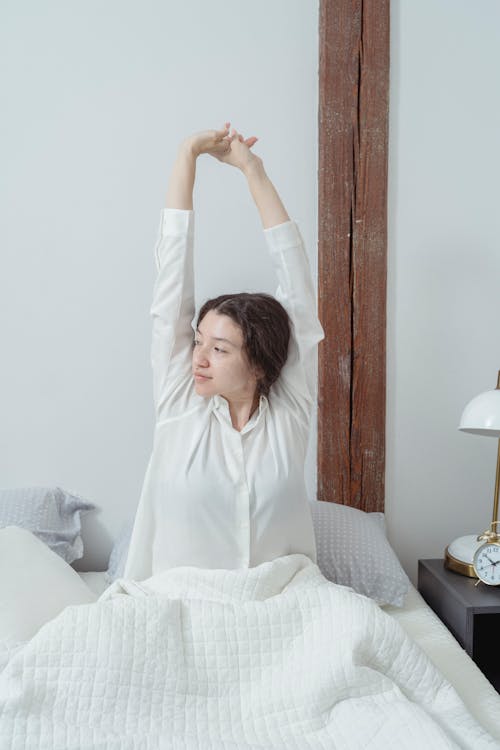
{"points": [[172, 312], [139, 562], [297, 295]]}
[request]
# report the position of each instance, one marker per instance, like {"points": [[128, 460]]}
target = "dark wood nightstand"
{"points": [[471, 613]]}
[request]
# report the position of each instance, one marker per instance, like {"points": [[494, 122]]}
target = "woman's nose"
{"points": [[200, 357]]}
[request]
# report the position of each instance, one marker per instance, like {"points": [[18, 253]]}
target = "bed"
{"points": [[421, 624], [298, 660]]}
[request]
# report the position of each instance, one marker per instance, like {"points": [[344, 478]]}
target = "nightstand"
{"points": [[471, 613]]}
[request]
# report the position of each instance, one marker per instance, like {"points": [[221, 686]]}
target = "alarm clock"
{"points": [[486, 563]]}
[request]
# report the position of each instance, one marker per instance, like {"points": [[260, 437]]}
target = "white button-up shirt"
{"points": [[213, 496]]}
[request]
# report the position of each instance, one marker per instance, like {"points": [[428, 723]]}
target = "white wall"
{"points": [[96, 97], [443, 340]]}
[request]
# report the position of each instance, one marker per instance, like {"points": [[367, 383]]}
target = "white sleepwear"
{"points": [[213, 496]]}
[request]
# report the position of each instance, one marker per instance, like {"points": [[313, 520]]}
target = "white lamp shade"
{"points": [[481, 416]]}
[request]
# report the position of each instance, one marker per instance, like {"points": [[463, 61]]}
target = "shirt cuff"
{"points": [[283, 235], [176, 221]]}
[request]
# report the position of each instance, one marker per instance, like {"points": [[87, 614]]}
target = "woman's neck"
{"points": [[241, 413]]}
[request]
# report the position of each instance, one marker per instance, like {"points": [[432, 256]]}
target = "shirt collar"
{"points": [[220, 404]]}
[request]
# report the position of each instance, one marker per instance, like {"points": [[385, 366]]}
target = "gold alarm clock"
{"points": [[486, 560], [486, 563]]}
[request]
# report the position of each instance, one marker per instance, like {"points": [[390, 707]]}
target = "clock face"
{"points": [[487, 563]]}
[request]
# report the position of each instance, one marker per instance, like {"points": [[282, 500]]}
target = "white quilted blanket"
{"points": [[274, 656]]}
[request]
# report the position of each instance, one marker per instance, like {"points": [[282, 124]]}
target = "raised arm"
{"points": [[296, 290], [173, 306], [267, 200], [181, 183]]}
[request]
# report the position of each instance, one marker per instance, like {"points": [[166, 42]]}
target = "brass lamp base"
{"points": [[458, 566], [459, 554]]}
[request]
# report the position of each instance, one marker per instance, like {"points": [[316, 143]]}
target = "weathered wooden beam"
{"points": [[352, 261]]}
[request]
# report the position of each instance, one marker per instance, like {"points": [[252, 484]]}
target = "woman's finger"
{"points": [[219, 134], [239, 136]]}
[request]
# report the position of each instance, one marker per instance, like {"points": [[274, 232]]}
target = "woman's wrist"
{"points": [[181, 183], [267, 200], [254, 167], [187, 149]]}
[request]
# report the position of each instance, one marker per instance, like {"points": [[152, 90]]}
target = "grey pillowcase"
{"points": [[51, 513], [352, 550]]}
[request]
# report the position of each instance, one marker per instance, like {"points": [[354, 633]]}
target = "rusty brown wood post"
{"points": [[352, 247]]}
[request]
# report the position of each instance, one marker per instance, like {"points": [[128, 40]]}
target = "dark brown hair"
{"points": [[265, 326]]}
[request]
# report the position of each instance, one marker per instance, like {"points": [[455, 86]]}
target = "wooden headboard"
{"points": [[352, 247]]}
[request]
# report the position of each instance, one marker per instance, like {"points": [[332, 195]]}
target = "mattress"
{"points": [[434, 638], [424, 627]]}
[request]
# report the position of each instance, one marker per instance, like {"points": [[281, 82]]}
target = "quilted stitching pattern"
{"points": [[274, 656]]}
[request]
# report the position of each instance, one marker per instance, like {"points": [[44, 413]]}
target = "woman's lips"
{"points": [[201, 377]]}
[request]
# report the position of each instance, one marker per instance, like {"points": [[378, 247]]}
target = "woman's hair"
{"points": [[265, 325]]}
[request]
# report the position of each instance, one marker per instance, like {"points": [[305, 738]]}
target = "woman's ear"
{"points": [[259, 373]]}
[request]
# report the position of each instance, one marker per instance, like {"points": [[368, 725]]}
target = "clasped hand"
{"points": [[227, 146]]}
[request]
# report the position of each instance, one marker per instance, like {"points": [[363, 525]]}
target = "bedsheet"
{"points": [[426, 629], [274, 656]]}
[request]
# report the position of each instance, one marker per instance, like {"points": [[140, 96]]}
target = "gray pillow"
{"points": [[51, 513], [353, 550]]}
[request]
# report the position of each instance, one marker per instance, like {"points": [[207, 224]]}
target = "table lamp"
{"points": [[481, 416]]}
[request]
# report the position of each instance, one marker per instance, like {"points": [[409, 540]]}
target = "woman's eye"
{"points": [[223, 351]]}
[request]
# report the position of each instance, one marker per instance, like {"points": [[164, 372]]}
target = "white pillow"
{"points": [[35, 586], [51, 513], [353, 550]]}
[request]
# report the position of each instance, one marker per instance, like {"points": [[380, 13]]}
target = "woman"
{"points": [[224, 487]]}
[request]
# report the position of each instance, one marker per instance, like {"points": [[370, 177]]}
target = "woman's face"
{"points": [[218, 355]]}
